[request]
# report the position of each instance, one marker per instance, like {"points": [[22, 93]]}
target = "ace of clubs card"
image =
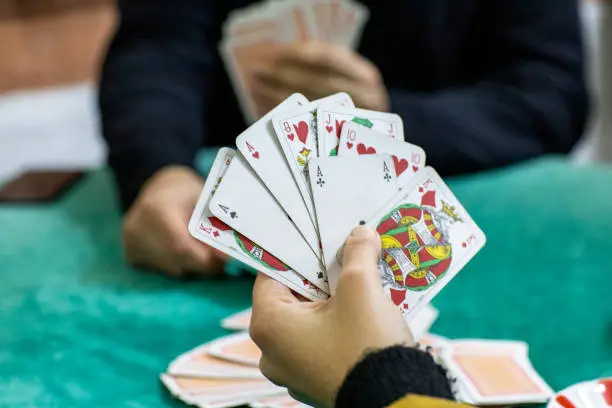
{"points": [[427, 238], [356, 140], [347, 190], [330, 120]]}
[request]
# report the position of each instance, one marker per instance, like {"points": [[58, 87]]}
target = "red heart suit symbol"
{"points": [[256, 155], [363, 149], [415, 168], [339, 125], [302, 131], [397, 295], [329, 128], [349, 145], [291, 136], [400, 165]]}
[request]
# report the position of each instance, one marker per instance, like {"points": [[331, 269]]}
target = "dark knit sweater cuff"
{"points": [[386, 376]]}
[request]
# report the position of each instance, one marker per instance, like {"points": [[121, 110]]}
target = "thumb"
{"points": [[360, 262]]}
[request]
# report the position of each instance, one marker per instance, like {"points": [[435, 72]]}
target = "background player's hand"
{"points": [[318, 70], [309, 347], [155, 228]]}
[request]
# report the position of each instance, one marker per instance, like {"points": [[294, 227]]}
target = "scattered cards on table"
{"points": [[308, 172], [250, 35], [224, 373]]}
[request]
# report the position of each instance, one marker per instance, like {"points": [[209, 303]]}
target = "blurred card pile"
{"points": [[249, 33], [224, 373]]}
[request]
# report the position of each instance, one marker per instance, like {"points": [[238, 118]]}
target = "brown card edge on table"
{"points": [[39, 186]]}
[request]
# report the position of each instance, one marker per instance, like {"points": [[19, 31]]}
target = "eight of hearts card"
{"points": [[427, 238]]}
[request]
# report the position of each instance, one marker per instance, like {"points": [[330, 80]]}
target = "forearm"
{"points": [[386, 376]]}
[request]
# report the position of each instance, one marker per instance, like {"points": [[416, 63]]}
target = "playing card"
{"points": [[422, 322], [238, 348], [354, 17], [345, 191], [357, 140], [238, 53], [205, 227], [243, 202], [322, 11], [480, 346], [260, 147], [215, 391], [238, 321], [200, 364], [330, 120], [427, 238], [296, 131], [496, 378]]}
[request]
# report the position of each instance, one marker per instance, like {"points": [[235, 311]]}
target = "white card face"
{"points": [[205, 227], [261, 148], [427, 238], [243, 202], [357, 140], [330, 120], [296, 131], [347, 190], [422, 322]]}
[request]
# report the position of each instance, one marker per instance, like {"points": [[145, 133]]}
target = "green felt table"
{"points": [[79, 328]]}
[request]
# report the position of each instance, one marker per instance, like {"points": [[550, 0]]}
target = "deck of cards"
{"points": [[251, 33], [224, 373], [306, 174]]}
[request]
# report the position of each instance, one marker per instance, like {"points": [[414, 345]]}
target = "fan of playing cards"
{"points": [[306, 174], [248, 35]]}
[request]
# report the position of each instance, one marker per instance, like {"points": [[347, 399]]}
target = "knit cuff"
{"points": [[385, 376]]}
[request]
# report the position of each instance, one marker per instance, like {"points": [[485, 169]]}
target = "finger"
{"points": [[360, 261], [202, 259], [269, 315], [267, 293], [301, 79], [327, 58]]}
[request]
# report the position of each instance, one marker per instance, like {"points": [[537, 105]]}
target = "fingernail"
{"points": [[363, 232]]}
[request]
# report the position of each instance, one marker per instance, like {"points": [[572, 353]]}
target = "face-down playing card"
{"points": [[207, 228], [244, 203]]}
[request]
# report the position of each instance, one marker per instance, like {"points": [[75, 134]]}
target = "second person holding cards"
{"points": [[476, 84]]}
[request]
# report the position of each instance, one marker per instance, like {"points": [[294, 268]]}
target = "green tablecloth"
{"points": [[78, 328]]}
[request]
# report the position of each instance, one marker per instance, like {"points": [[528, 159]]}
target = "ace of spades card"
{"points": [[427, 238], [207, 228]]}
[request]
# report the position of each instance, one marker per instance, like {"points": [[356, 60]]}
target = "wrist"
{"points": [[384, 376]]}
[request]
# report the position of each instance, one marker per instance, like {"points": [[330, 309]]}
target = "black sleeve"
{"points": [[154, 87], [531, 101], [384, 377]]}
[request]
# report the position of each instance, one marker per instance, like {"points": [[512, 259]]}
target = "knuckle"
{"points": [[258, 330]]}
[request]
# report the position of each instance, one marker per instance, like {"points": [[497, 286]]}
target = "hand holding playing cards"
{"points": [[310, 347], [155, 235], [318, 70]]}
